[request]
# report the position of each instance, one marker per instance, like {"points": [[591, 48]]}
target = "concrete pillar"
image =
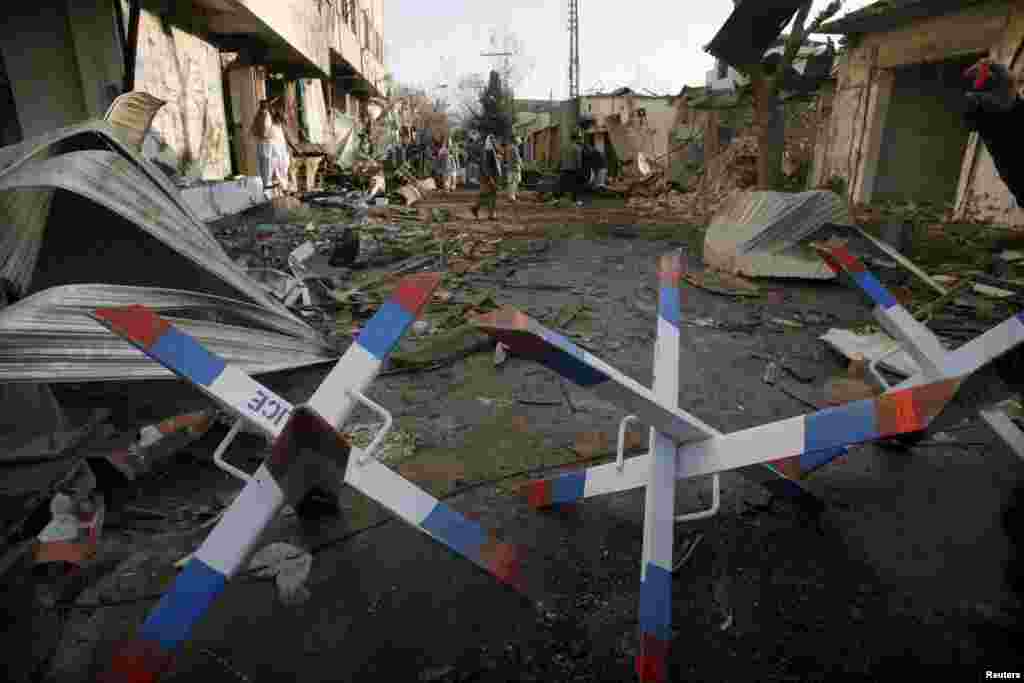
{"points": [[879, 96], [247, 86], [38, 51], [98, 51]]}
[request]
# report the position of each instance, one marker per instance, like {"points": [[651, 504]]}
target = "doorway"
{"points": [[924, 134]]}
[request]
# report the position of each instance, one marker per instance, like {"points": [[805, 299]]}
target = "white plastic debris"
{"points": [[149, 435], [302, 252], [290, 566], [64, 525], [500, 354]]}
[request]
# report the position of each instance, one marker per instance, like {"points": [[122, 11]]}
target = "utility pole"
{"points": [[574, 58], [506, 69]]}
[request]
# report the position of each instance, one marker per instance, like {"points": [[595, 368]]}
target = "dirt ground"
{"points": [[905, 573]]}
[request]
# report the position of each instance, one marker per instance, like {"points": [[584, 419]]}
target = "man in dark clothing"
{"points": [[598, 167], [996, 112], [490, 172], [573, 167]]}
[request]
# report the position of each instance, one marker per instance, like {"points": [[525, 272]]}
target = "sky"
{"points": [[653, 44]]}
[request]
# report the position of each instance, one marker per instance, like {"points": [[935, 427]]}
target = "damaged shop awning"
{"points": [[84, 222], [751, 29]]}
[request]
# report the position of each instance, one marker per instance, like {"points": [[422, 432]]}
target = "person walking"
{"points": [[515, 168], [440, 159], [451, 171], [490, 171], [600, 167]]}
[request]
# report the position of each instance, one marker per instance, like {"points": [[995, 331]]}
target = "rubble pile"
{"points": [[733, 170]]}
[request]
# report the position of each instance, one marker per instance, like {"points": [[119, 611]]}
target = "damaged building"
{"points": [[896, 130], [210, 61]]}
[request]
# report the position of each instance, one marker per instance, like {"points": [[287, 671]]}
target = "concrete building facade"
{"points": [[632, 124], [895, 131], [211, 61]]}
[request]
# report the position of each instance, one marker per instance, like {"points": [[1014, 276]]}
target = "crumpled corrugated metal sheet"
{"points": [[91, 162], [120, 181], [78, 207], [760, 234], [50, 337], [131, 114], [788, 219]]}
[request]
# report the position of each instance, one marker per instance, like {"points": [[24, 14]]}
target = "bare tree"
{"points": [[515, 66], [466, 97], [420, 109], [766, 79]]}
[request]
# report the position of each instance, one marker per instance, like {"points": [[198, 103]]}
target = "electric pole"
{"points": [[506, 73], [574, 57]]}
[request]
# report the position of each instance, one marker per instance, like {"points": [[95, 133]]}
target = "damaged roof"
{"points": [[751, 29], [889, 14]]}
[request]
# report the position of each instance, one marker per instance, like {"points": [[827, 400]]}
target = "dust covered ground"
{"points": [[905, 573]]}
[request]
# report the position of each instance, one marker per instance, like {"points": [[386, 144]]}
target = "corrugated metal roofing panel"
{"points": [[50, 337]]}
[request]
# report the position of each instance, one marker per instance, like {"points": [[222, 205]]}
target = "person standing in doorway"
{"points": [[515, 168], [281, 158], [490, 172], [261, 128]]}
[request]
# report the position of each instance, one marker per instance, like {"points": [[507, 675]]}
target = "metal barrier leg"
{"points": [[218, 455], [716, 500]]}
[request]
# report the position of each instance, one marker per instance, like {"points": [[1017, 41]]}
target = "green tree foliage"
{"points": [[496, 114]]}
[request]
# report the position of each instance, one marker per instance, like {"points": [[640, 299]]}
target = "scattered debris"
{"points": [[437, 674], [72, 535], [902, 260], [878, 346], [397, 446], [782, 322], [718, 282], [760, 234], [500, 354], [568, 313], [801, 394], [289, 566], [1007, 420], [443, 348], [626, 231], [686, 551]]}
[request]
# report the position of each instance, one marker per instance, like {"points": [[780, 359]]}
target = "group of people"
{"points": [[273, 157], [446, 165], [584, 168], [491, 163]]}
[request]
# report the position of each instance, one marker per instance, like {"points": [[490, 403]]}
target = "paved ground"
{"points": [[904, 572]]}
